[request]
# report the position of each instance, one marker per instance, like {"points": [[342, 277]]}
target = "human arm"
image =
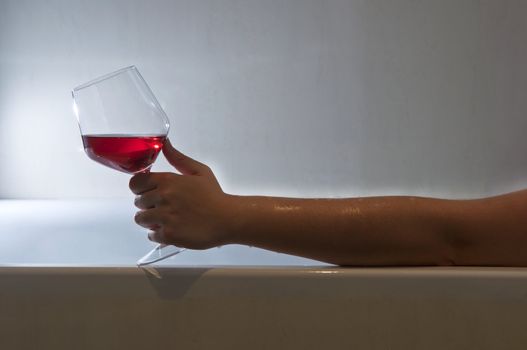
{"points": [[385, 231], [191, 210]]}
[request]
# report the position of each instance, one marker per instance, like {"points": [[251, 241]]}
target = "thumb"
{"points": [[184, 164]]}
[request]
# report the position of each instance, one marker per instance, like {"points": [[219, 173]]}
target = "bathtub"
{"points": [[68, 281]]}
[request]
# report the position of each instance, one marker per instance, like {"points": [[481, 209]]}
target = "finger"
{"points": [[147, 200], [183, 163], [150, 218], [143, 182], [157, 236]]}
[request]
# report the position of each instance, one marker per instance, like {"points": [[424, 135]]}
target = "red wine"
{"points": [[127, 153]]}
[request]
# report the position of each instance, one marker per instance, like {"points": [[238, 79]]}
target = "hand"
{"points": [[188, 210]]}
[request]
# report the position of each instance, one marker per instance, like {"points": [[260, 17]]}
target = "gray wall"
{"points": [[298, 98]]}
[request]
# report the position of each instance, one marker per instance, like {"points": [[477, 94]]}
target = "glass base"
{"points": [[161, 252]]}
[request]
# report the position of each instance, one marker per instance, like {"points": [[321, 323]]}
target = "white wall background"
{"points": [[297, 97]]}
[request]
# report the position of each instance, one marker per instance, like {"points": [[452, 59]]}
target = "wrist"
{"points": [[236, 219]]}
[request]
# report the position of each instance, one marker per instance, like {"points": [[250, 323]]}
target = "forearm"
{"points": [[380, 231], [367, 231]]}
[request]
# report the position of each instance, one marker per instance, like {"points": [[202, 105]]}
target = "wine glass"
{"points": [[123, 127]]}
